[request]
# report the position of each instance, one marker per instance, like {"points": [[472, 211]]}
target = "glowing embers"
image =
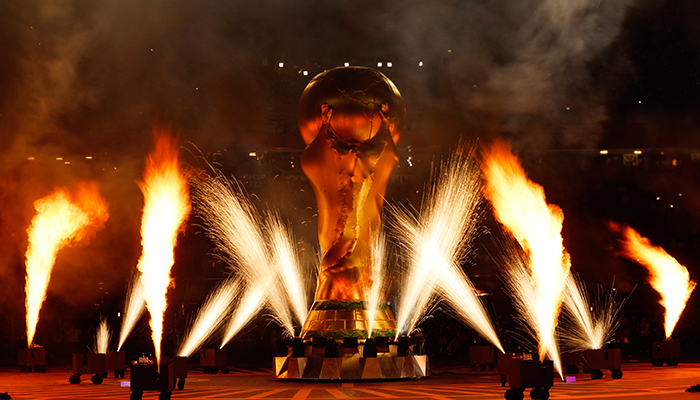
{"points": [[666, 275], [60, 221], [436, 242], [536, 278], [166, 207], [259, 249]]}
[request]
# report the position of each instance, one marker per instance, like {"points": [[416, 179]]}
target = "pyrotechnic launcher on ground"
{"points": [[116, 361], [667, 351], [33, 358], [89, 363], [482, 357], [572, 361], [523, 374], [178, 368], [504, 364], [213, 360], [145, 376], [597, 360]]}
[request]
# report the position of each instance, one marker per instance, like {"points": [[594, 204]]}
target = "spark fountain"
{"points": [[377, 290], [537, 283], [437, 243], [262, 254], [587, 325], [114, 360], [210, 317], [588, 322], [102, 337], [60, 221], [94, 362], [134, 307], [166, 207]]}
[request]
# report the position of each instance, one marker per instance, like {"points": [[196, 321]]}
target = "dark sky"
{"points": [[91, 77], [83, 75]]}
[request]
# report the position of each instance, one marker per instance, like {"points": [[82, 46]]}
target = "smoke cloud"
{"points": [[520, 68]]}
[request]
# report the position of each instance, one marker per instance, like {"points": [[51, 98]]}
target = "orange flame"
{"points": [[520, 205], [59, 222], [666, 275], [166, 207]]}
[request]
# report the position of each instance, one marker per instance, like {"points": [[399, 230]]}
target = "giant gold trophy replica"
{"points": [[350, 119]]}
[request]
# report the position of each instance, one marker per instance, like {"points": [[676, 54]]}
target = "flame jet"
{"points": [[260, 249], [666, 275], [437, 242], [59, 222], [166, 207], [537, 285]]}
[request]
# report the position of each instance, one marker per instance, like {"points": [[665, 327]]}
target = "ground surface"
{"points": [[640, 381]]}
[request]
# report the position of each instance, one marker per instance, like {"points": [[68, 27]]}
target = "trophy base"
{"points": [[351, 367], [348, 319]]}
